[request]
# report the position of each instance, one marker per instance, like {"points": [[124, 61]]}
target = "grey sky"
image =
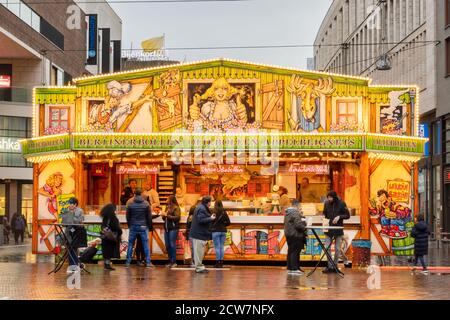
{"points": [[211, 24]]}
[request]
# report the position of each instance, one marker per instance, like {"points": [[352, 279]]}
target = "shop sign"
{"points": [[134, 169], [447, 176], [5, 81], [47, 144], [231, 169], [317, 142], [63, 203], [424, 132], [10, 145], [307, 168], [391, 144], [399, 190], [124, 142]]}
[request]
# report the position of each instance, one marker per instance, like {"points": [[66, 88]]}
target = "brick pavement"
{"points": [[24, 276]]}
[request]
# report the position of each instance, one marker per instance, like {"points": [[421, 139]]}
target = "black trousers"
{"points": [[17, 234], [295, 246]]}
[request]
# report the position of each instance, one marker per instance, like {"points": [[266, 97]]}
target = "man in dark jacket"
{"points": [[139, 222], [200, 232], [336, 212], [295, 232], [420, 232]]}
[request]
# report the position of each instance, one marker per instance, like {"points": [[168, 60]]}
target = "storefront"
{"points": [[236, 131]]}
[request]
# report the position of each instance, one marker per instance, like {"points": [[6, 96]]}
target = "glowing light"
{"points": [[51, 157]]}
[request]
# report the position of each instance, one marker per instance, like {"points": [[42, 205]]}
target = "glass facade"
{"points": [[2, 199], [24, 12], [27, 202], [12, 129]]}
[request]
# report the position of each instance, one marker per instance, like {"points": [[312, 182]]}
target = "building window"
{"points": [[56, 76], [437, 138], [447, 12], [2, 199], [447, 141], [27, 202], [346, 111], [447, 56], [59, 117], [23, 12]]}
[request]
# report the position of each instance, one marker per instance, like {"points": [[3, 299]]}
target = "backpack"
{"points": [[19, 224]]}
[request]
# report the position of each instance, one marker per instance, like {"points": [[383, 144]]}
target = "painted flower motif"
{"points": [[55, 130], [347, 126]]}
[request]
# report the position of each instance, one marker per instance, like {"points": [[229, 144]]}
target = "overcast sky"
{"points": [[212, 24]]}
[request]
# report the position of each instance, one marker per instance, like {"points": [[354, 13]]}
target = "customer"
{"points": [[219, 232], [171, 227], [139, 221], [128, 192], [420, 232], [200, 232], [18, 225], [72, 218], [6, 230], [295, 232], [110, 223], [189, 241], [336, 211]]}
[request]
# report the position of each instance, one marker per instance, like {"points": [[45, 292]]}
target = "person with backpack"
{"points": [[111, 235], [420, 233], [18, 226], [171, 227], [296, 235], [219, 232]]}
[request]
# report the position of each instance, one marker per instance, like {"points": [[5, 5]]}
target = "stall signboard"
{"points": [[63, 203], [399, 191], [123, 142], [307, 168], [5, 81], [394, 144], [231, 169], [46, 144], [134, 169], [295, 142]]}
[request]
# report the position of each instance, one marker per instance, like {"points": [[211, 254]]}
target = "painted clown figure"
{"points": [[393, 216]]}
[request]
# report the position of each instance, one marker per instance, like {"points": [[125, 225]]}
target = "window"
{"points": [[24, 12], [346, 111], [13, 129], [59, 117], [447, 56], [447, 141], [27, 202], [2, 199], [437, 138], [56, 76], [447, 12]]}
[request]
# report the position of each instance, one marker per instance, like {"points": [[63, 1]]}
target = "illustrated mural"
{"points": [[221, 105], [308, 96], [167, 100], [392, 117], [273, 105]]}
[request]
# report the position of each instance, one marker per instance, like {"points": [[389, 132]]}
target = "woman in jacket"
{"points": [[295, 232], [171, 227], [420, 233], [219, 232], [110, 249]]}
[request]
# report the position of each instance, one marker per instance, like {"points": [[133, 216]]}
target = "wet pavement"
{"points": [[25, 276]]}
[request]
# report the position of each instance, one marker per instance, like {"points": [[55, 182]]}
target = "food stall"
{"points": [[236, 131]]}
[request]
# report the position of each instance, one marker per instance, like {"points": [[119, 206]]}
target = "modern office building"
{"points": [[43, 44]]}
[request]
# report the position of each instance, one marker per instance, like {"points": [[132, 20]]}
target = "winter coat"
{"points": [[172, 220], [127, 194], [189, 222], [139, 213], [221, 222], [13, 222], [111, 249], [334, 209], [294, 227], [420, 232], [76, 234], [201, 223]]}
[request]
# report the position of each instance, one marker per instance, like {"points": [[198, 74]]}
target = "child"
{"points": [[420, 233]]}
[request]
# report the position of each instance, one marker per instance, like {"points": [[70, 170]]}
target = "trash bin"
{"points": [[361, 253]]}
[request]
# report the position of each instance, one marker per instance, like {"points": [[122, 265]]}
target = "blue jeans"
{"points": [[143, 232], [219, 243], [170, 238]]}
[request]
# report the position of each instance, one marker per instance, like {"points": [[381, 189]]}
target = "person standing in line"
{"points": [[200, 232], [420, 233], [139, 221], [18, 225], [295, 232], [219, 232], [171, 227], [187, 236], [336, 211], [110, 223]]}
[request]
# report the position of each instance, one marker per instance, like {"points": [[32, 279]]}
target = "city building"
{"points": [[41, 45], [394, 42]]}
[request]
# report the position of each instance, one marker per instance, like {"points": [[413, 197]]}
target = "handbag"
{"points": [[108, 234]]}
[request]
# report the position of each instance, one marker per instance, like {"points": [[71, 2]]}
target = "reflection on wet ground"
{"points": [[21, 277]]}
